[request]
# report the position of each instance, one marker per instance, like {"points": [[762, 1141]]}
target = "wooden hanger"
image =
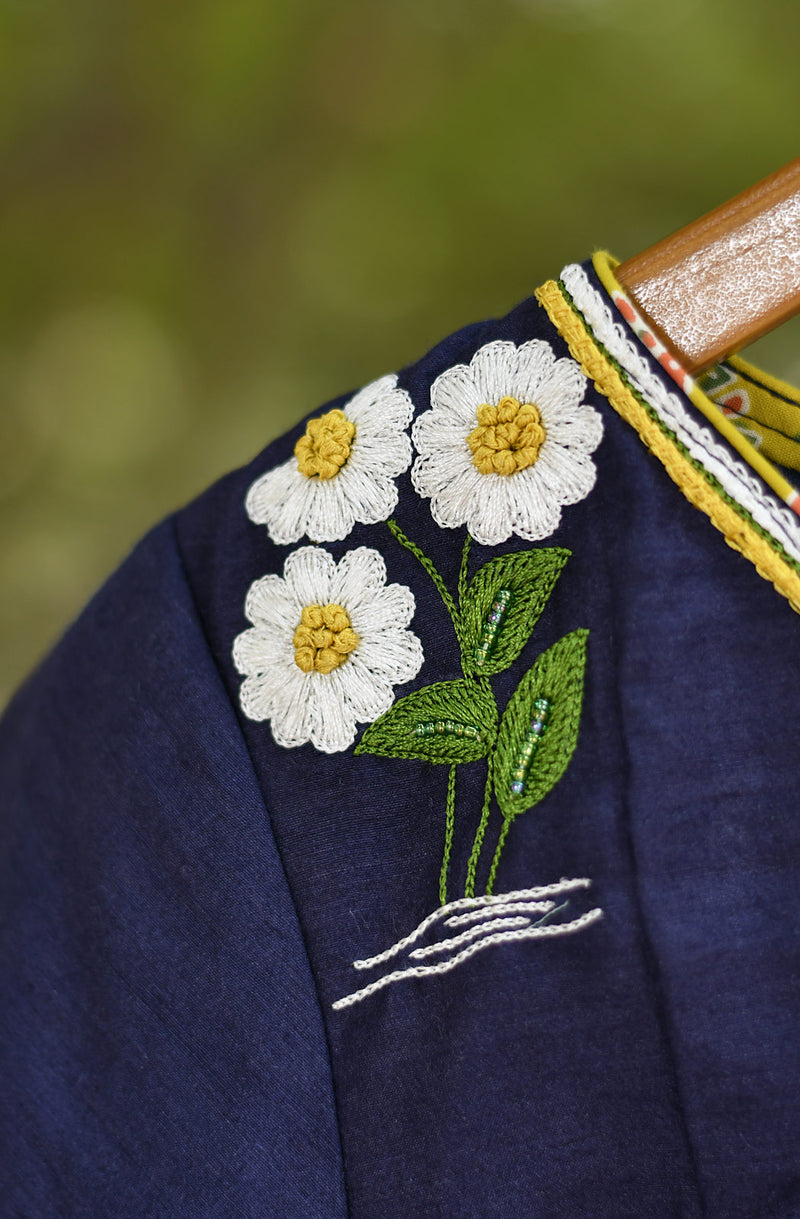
{"points": [[726, 279]]}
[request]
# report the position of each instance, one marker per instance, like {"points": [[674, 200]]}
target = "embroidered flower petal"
{"points": [[309, 573], [394, 604], [567, 476], [562, 385], [329, 512], [291, 719], [436, 470], [381, 403], [582, 434], [397, 655], [494, 368], [332, 721], [359, 575], [270, 600], [254, 650], [454, 394], [263, 693], [492, 512], [367, 694], [280, 500], [536, 514], [536, 366], [375, 495], [436, 432]]}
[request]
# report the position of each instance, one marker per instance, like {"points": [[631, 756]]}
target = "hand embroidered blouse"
{"points": [[406, 828]]}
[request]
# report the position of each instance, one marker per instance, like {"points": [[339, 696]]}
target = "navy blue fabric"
{"points": [[168, 1038], [162, 1049]]}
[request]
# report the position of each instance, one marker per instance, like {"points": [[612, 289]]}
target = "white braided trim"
{"points": [[702, 442], [324, 708]]}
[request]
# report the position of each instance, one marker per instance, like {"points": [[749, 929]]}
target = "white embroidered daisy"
{"points": [[329, 642], [507, 442], [342, 471]]}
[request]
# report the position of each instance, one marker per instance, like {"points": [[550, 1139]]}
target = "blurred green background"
{"points": [[217, 215]]}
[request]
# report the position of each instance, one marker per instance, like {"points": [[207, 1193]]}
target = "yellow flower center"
{"points": [[326, 445], [324, 638], [508, 438]]}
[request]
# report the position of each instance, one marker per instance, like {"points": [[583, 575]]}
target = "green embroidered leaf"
{"points": [[450, 721], [529, 577], [557, 677]]}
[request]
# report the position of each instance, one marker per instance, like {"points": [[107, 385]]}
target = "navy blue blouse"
{"points": [[487, 698]]}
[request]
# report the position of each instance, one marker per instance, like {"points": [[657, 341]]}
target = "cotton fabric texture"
{"points": [[183, 896]]}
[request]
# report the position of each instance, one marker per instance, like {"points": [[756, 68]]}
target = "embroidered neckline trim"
{"points": [[696, 459]]}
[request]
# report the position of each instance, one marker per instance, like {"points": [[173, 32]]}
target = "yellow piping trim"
{"points": [[737, 531], [604, 265]]}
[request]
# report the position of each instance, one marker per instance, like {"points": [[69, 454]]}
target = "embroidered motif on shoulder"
{"points": [[328, 644], [342, 471], [507, 442], [506, 445]]}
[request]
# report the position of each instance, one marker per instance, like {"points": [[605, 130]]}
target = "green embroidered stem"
{"points": [[500, 844], [472, 866], [462, 575], [450, 821], [430, 568]]}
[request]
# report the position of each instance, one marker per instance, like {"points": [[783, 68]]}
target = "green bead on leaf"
{"points": [[449, 722], [542, 756], [521, 584]]}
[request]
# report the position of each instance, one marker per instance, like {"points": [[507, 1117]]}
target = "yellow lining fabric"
{"points": [[763, 407], [738, 532]]}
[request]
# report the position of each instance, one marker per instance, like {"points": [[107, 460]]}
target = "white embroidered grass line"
{"points": [[735, 477], [473, 933], [474, 916], [495, 930], [501, 937], [471, 903]]}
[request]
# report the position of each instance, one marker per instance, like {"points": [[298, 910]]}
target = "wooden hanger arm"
{"points": [[726, 279]]}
